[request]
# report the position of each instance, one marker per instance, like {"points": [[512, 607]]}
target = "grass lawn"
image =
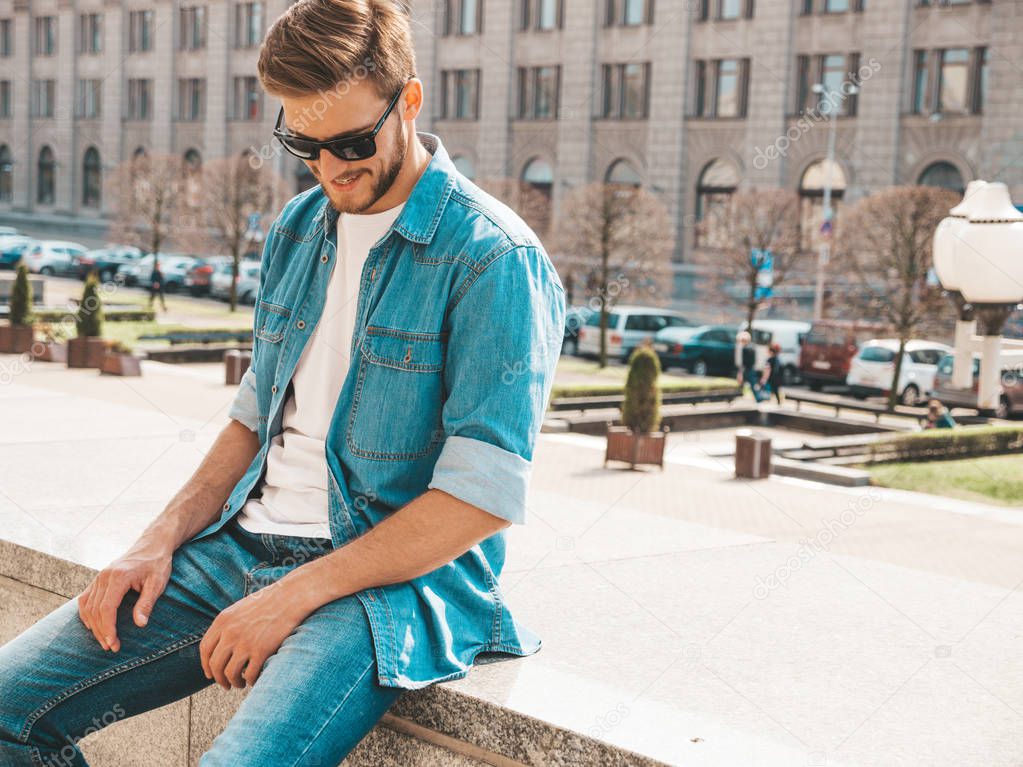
{"points": [[992, 479], [581, 377]]}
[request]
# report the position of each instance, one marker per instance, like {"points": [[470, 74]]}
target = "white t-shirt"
{"points": [[294, 492]]}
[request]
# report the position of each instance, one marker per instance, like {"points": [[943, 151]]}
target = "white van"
{"points": [[789, 335]]}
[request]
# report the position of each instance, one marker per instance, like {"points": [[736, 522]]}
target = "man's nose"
{"points": [[331, 167]]}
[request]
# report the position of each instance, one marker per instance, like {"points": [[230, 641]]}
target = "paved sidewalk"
{"points": [[686, 615]]}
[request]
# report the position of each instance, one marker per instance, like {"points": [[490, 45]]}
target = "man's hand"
{"points": [[146, 569], [247, 633]]}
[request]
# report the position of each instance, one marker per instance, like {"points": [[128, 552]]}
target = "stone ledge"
{"points": [[437, 725]]}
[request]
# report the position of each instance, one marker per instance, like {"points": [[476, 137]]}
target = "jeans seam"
{"points": [[110, 673], [339, 706]]}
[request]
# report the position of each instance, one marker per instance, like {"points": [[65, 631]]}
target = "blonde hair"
{"points": [[318, 46]]}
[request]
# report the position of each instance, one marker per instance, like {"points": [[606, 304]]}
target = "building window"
{"points": [[714, 189], [540, 176], [88, 98], [248, 25], [539, 89], [626, 91], [5, 98], [191, 98], [91, 179], [953, 81], [463, 17], [921, 65], [837, 73], [192, 29], [6, 174], [816, 177], [140, 31], [944, 175], [6, 41], [623, 173], [43, 97], [628, 13], [981, 61], [140, 99], [45, 38], [90, 33], [248, 99], [543, 15], [460, 94], [464, 165], [836, 6], [722, 88], [46, 171]]}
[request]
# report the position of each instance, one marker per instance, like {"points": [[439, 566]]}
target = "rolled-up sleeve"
{"points": [[504, 337], [244, 408]]}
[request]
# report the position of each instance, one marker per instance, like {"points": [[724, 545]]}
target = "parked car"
{"points": [[198, 278], [173, 265], [829, 347], [789, 334], [703, 350], [53, 257], [12, 248], [575, 318], [627, 327], [9, 231], [1010, 400], [108, 262], [872, 369], [248, 281]]}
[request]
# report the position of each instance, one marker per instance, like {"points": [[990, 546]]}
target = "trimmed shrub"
{"points": [[89, 316], [641, 410], [942, 444], [21, 298]]}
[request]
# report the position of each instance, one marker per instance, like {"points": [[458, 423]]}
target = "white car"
{"points": [[872, 369], [8, 231], [627, 327], [174, 266], [53, 257], [788, 334], [248, 281]]}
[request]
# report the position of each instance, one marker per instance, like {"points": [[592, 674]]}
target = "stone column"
{"points": [[1002, 131], [66, 149], [111, 142], [219, 44], [23, 148], [580, 73], [165, 24], [496, 76]]}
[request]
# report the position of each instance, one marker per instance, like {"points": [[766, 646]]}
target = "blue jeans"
{"points": [[314, 701]]}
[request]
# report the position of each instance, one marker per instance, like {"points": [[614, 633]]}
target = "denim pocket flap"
{"points": [[404, 350], [271, 321]]}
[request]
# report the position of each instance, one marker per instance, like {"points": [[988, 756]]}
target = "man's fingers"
{"points": [[107, 613], [234, 669], [151, 591], [218, 661], [206, 648]]}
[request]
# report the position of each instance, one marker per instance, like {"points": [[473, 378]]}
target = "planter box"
{"points": [[623, 444], [120, 364], [16, 339], [50, 351], [86, 352]]}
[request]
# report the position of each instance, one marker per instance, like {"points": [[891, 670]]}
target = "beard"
{"points": [[380, 183]]}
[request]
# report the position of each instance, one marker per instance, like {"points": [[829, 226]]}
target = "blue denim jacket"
{"points": [[459, 326]]}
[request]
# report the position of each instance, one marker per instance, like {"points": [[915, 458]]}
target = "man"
{"points": [[405, 340]]}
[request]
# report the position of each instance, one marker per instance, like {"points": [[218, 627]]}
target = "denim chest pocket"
{"points": [[399, 395], [271, 322]]}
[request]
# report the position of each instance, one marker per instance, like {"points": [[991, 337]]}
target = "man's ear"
{"points": [[413, 100]]}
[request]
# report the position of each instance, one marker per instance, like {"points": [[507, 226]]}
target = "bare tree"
{"points": [[616, 240], [148, 190], [532, 205], [754, 221], [885, 245], [232, 194]]}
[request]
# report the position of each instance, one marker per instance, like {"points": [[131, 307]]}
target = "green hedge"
{"points": [[694, 386], [117, 315], [939, 444]]}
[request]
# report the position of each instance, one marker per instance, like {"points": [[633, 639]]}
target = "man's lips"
{"points": [[347, 182]]}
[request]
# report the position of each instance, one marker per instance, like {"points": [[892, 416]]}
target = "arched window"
{"points": [[816, 178], [943, 174], [622, 172], [193, 177], [464, 166], [539, 175], [714, 189], [304, 178], [6, 174], [139, 153], [46, 173], [91, 179]]}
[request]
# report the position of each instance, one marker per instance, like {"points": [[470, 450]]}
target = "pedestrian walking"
{"points": [[770, 380], [748, 363], [156, 285]]}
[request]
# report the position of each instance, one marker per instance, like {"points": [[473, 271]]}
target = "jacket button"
{"points": [[227, 506], [300, 324], [274, 388], [324, 259]]}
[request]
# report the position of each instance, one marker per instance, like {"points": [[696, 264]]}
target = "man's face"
{"points": [[351, 187]]}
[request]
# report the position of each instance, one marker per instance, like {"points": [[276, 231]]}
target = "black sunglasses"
{"points": [[351, 148]]}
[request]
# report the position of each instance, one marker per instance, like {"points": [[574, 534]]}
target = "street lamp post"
{"points": [[824, 251]]}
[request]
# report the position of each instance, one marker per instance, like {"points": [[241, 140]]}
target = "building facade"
{"points": [[692, 99]]}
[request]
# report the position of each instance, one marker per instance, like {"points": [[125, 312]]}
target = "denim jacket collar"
{"points": [[422, 212]]}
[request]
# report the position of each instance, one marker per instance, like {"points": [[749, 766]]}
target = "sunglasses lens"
{"points": [[301, 149], [362, 149]]}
